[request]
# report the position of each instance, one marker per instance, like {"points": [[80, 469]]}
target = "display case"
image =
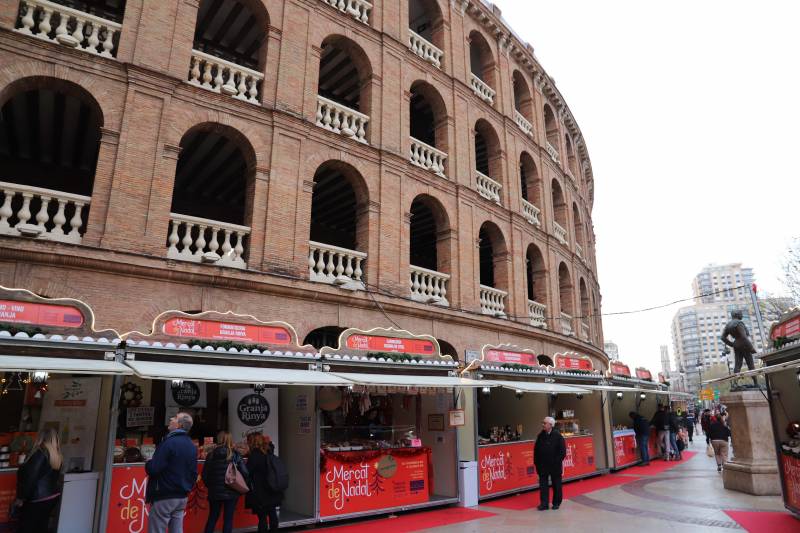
{"points": [[371, 437], [500, 434]]}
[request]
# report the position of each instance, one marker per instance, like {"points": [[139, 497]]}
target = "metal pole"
{"points": [[109, 462], [758, 317]]}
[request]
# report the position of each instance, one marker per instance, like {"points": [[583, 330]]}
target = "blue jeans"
{"points": [[673, 442], [641, 442], [214, 507]]}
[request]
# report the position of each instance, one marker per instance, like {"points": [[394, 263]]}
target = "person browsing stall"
{"points": [[548, 455]]}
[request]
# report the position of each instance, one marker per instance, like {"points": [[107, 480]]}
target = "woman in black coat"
{"points": [[219, 495], [261, 499], [37, 483]]}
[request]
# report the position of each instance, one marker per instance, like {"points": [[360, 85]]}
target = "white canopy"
{"points": [[542, 388], [22, 363], [399, 380], [233, 374]]}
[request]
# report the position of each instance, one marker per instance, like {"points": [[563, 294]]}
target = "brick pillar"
{"points": [[368, 240], [256, 215], [9, 9], [101, 190], [447, 254]]}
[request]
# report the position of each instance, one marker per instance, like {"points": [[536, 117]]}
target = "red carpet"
{"points": [[413, 521], [529, 500], [658, 466], [766, 522]]}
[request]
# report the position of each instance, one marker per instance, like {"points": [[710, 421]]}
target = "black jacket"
{"points": [[36, 479], [261, 496], [214, 473], [549, 451], [641, 426], [674, 422], [718, 430], [172, 471], [659, 420]]}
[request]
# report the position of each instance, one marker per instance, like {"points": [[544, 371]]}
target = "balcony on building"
{"points": [[536, 277], [360, 10], [488, 165], [482, 68], [428, 129], [531, 188], [566, 325], [426, 31], [429, 251], [493, 274], [523, 104], [552, 134]]}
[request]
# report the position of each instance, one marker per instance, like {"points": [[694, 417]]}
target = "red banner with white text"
{"points": [[580, 457], [391, 344], [625, 451], [505, 356], [61, 316], [8, 492], [225, 331], [791, 481], [504, 467]]}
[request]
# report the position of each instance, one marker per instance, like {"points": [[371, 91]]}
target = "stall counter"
{"points": [[8, 491], [625, 451]]}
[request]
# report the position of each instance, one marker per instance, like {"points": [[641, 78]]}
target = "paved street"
{"points": [[686, 498]]}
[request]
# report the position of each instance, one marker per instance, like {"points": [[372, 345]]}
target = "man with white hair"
{"points": [[548, 455]]}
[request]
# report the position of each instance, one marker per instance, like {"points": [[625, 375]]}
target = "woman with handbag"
{"points": [[263, 499], [37, 483], [224, 475]]}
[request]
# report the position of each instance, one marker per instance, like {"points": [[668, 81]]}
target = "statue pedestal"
{"points": [[754, 468]]}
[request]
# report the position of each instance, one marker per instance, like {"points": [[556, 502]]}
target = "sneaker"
{"points": [[543, 507], [555, 507], [719, 468]]}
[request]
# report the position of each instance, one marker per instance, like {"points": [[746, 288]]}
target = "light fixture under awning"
{"points": [[398, 380], [789, 365], [233, 374], [542, 388], [19, 363]]}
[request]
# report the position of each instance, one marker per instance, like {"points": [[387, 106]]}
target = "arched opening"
{"points": [[425, 19], [545, 360], [559, 212], [586, 310], [565, 299], [49, 139], [428, 128], [529, 180], [482, 67], [338, 231], [572, 162], [324, 336], [488, 161], [536, 277], [493, 275], [209, 198], [551, 130], [579, 242], [523, 103], [344, 88], [429, 254], [447, 349]]}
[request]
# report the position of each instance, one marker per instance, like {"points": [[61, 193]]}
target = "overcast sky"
{"points": [[689, 110]]}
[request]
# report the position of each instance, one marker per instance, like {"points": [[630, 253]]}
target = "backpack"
{"points": [[277, 474]]}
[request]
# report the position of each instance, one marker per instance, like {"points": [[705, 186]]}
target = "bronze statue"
{"points": [[742, 347]]}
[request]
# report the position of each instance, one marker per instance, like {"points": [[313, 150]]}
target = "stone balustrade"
{"points": [[566, 324], [427, 157], [522, 122], [585, 331], [537, 313], [531, 213], [429, 286], [341, 119], [336, 266], [425, 49], [200, 240], [552, 152], [560, 233], [493, 301], [225, 77], [487, 187], [58, 215], [67, 26], [358, 9], [570, 175], [579, 251], [481, 90]]}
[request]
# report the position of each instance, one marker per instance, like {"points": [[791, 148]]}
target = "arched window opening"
{"points": [[234, 31], [529, 180], [324, 336], [586, 310], [579, 241], [481, 153], [209, 197], [572, 162], [343, 88], [551, 131], [488, 161], [482, 67], [49, 139], [523, 103], [486, 259], [565, 295], [448, 349], [429, 255], [423, 236], [427, 30], [560, 213], [493, 274], [423, 121], [537, 286], [428, 128], [545, 360]]}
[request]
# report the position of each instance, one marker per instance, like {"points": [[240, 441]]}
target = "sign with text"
{"points": [[349, 484], [186, 395], [457, 418], [512, 357], [580, 457], [250, 411], [573, 362], [390, 344], [625, 451], [504, 467], [620, 369], [70, 406], [643, 373], [226, 331], [790, 466], [139, 416], [61, 316]]}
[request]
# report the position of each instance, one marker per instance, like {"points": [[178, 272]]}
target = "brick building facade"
{"points": [[311, 161]]}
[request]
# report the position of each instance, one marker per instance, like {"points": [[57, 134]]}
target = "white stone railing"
{"points": [[224, 77], [584, 331], [358, 9], [579, 251], [481, 90], [560, 233], [52, 22], [487, 187], [341, 119], [44, 225], [425, 49], [522, 122], [566, 324], [336, 266], [551, 151], [570, 175], [537, 313], [429, 286], [214, 242], [493, 301], [531, 213], [427, 157]]}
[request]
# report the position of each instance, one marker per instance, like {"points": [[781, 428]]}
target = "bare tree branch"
{"points": [[791, 270]]}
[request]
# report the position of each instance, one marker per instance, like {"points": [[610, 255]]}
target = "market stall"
{"points": [[388, 442], [509, 417], [58, 372]]}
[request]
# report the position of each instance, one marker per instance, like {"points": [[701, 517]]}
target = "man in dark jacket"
{"points": [[642, 429], [171, 474], [548, 455], [660, 421]]}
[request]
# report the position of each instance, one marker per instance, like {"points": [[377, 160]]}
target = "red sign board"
{"points": [[580, 457], [61, 316], [348, 485], [625, 451], [789, 328], [504, 467], [391, 344], [643, 373], [8, 493], [573, 362], [128, 512], [504, 356], [791, 481], [226, 331], [620, 369]]}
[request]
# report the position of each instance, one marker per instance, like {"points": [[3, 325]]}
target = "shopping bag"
{"points": [[710, 451], [235, 480]]}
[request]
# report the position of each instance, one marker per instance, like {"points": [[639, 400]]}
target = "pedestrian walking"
{"points": [[548, 456], [719, 434], [171, 474], [660, 421], [688, 420], [642, 429], [216, 471], [38, 483], [269, 481], [674, 428], [705, 422]]}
